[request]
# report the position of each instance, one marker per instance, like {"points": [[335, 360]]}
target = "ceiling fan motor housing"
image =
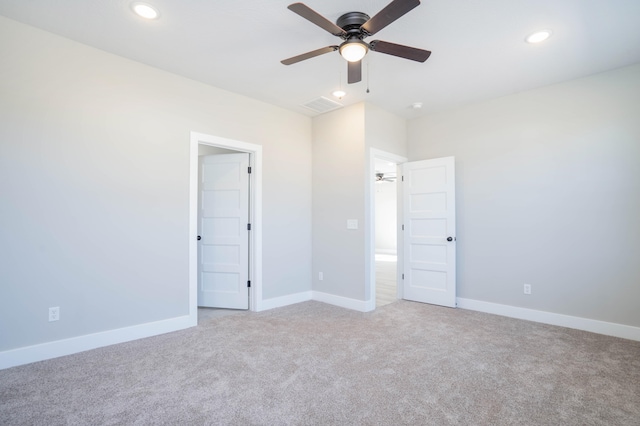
{"points": [[351, 23]]}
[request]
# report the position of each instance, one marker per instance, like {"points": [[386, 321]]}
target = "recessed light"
{"points": [[145, 10], [416, 105], [538, 36], [339, 94]]}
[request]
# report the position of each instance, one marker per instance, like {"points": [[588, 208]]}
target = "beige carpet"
{"points": [[315, 364]]}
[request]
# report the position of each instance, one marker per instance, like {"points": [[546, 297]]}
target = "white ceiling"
{"points": [[478, 46]]}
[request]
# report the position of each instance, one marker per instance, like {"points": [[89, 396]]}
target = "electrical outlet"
{"points": [[320, 276], [54, 314], [527, 289]]}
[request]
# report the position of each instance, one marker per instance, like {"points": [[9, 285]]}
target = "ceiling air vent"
{"points": [[322, 104]]}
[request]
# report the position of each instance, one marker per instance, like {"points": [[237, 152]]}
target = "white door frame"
{"points": [[370, 218], [255, 245]]}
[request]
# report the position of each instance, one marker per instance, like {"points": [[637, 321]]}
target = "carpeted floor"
{"points": [[316, 364]]}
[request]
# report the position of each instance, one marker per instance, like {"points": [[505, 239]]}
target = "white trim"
{"points": [[49, 350], [370, 220], [594, 326], [289, 299], [343, 302], [255, 292]]}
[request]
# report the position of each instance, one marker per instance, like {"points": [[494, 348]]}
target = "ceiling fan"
{"points": [[353, 28]]}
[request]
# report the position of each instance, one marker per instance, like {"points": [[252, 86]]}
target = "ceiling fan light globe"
{"points": [[353, 51]]}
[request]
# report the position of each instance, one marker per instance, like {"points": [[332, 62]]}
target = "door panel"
{"points": [[223, 255], [429, 220]]}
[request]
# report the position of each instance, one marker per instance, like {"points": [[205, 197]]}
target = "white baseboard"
{"points": [[343, 302], [370, 305], [594, 326], [49, 350], [331, 299], [290, 299]]}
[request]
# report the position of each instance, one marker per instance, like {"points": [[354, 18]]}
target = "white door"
{"points": [[429, 231], [223, 218]]}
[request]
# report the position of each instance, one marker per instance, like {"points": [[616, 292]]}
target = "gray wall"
{"points": [[548, 193], [341, 177], [94, 177], [338, 195]]}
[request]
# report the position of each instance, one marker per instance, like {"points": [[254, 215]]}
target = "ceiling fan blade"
{"points": [[354, 72], [390, 13], [400, 50], [311, 15], [309, 55]]}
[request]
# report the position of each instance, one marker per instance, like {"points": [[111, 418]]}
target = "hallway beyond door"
{"points": [[386, 290]]}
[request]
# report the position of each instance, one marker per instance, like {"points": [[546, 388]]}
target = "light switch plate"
{"points": [[352, 223]]}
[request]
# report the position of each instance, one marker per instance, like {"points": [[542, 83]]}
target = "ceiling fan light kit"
{"points": [[353, 50], [353, 28]]}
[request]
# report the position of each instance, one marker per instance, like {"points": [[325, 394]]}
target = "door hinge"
{"points": [[402, 178], [403, 276], [248, 227], [403, 227], [248, 283], [249, 170]]}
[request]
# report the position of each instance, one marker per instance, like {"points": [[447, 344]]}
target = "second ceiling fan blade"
{"points": [[354, 72], [390, 13], [399, 50], [309, 55], [311, 15]]}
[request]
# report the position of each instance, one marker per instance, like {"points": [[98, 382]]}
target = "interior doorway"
{"points": [[223, 228], [212, 144], [384, 242], [386, 236]]}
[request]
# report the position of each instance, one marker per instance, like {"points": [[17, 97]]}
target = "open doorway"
{"points": [[386, 237], [384, 244]]}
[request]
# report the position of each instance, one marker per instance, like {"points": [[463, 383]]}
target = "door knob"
{"points": [[199, 237], [449, 239]]}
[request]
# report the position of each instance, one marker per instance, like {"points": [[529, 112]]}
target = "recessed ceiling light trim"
{"points": [[145, 10], [538, 36]]}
